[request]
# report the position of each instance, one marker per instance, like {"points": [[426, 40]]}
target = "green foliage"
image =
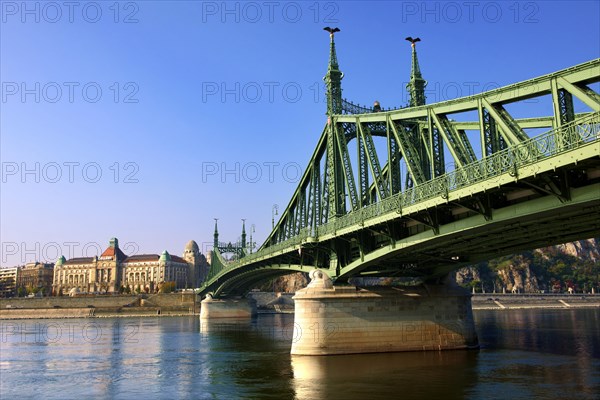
{"points": [[502, 264], [167, 287]]}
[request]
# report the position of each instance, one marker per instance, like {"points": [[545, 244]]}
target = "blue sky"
{"points": [[145, 120]]}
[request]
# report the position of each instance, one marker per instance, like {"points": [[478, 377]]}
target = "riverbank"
{"points": [[505, 301], [65, 313], [177, 304], [100, 306], [268, 302]]}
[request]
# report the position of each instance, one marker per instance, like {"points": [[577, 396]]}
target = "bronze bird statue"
{"points": [[331, 30], [413, 41]]}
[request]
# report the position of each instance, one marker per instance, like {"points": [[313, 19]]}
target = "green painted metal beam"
{"points": [[587, 147], [590, 100], [317, 227], [583, 73], [409, 153], [346, 165]]}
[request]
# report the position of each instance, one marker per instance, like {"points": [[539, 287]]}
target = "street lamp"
{"points": [[252, 230], [273, 214]]}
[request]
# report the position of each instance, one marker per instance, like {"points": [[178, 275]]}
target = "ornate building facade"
{"points": [[36, 277], [115, 272], [89, 274], [148, 272]]}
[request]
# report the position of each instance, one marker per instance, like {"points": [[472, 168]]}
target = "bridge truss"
{"points": [[424, 190]]}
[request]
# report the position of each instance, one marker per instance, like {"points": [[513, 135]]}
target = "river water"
{"points": [[525, 354]]}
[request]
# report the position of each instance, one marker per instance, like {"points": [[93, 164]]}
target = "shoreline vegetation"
{"points": [[267, 303]]}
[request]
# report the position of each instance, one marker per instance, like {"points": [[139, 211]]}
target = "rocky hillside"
{"points": [[550, 269], [287, 283]]}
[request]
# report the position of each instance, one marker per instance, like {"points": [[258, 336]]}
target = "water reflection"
{"points": [[248, 358], [412, 375], [539, 353], [568, 332], [542, 354]]}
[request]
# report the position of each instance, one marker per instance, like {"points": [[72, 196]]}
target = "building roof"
{"points": [[38, 265], [79, 260], [114, 251], [154, 257], [142, 257], [178, 259]]}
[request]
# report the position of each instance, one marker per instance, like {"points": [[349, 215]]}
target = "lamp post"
{"points": [[243, 244], [252, 230], [273, 214]]}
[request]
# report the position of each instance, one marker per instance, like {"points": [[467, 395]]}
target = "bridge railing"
{"points": [[570, 136], [350, 108]]}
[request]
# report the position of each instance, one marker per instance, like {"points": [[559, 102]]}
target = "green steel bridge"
{"points": [[378, 198]]}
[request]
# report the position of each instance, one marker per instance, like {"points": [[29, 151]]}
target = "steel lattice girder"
{"points": [[578, 75], [574, 141], [588, 149]]}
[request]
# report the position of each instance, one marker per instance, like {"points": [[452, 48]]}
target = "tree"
{"points": [[475, 284], [104, 287], [167, 287]]}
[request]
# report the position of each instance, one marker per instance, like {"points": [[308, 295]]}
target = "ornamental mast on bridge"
{"points": [[216, 236], [416, 86], [333, 78], [238, 248], [243, 244], [335, 190]]}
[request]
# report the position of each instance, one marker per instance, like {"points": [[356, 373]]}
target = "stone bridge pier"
{"points": [[227, 308], [345, 319]]}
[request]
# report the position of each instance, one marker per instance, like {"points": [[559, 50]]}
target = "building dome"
{"points": [[165, 256], [192, 246]]}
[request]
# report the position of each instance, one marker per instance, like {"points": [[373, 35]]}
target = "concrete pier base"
{"points": [[227, 308], [347, 320]]}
